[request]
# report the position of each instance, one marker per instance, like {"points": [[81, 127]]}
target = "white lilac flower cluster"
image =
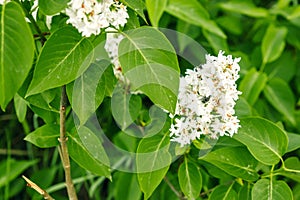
{"points": [[90, 16], [206, 101], [111, 46]]}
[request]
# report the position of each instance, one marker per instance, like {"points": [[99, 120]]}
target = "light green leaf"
{"points": [[242, 108], [16, 168], [223, 192], [281, 97], [125, 107], [190, 179], [51, 7], [137, 5], [292, 163], [245, 8], [273, 43], [294, 141], [193, 12], [87, 151], [149, 61], [16, 51], [155, 10], [236, 161], [265, 189], [20, 107], [88, 91], [45, 136], [153, 161], [264, 139], [216, 42], [64, 57], [252, 85]]}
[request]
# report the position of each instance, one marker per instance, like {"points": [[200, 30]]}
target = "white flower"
{"points": [[206, 101], [91, 16], [112, 46]]}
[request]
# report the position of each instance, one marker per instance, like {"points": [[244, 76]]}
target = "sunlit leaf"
{"points": [[265, 140], [149, 61], [64, 57], [155, 9], [265, 189], [51, 7], [16, 51], [45, 136]]}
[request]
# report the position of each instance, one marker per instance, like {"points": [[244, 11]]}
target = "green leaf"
{"points": [[137, 5], [236, 161], [292, 163], [244, 7], [153, 161], [273, 43], [51, 7], [265, 189], [87, 151], [242, 108], [16, 51], [193, 12], [64, 57], [252, 85], [47, 100], [265, 140], [216, 42], [130, 181], [245, 192], [155, 10], [45, 136], [16, 168], [88, 91], [294, 141], [190, 179], [20, 107], [149, 61], [281, 97], [125, 107], [223, 192]]}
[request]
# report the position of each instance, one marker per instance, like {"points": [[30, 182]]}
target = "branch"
{"points": [[178, 194], [37, 188], [63, 146]]}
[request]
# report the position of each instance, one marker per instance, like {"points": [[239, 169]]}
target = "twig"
{"points": [[63, 146], [173, 188], [37, 188]]}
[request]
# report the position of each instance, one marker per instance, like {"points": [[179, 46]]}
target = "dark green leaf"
{"points": [[51, 7], [252, 85], [273, 43], [149, 61], [153, 161], [190, 179], [16, 49], [64, 57], [223, 192], [280, 95], [45, 136], [265, 140], [236, 161], [127, 187], [16, 168], [265, 189]]}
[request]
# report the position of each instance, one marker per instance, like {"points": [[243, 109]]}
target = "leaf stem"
{"points": [[63, 146], [173, 188]]}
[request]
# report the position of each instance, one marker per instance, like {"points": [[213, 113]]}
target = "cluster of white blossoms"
{"points": [[90, 16], [206, 101], [111, 46]]}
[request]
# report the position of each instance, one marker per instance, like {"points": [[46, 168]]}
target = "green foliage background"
{"points": [[260, 162]]}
